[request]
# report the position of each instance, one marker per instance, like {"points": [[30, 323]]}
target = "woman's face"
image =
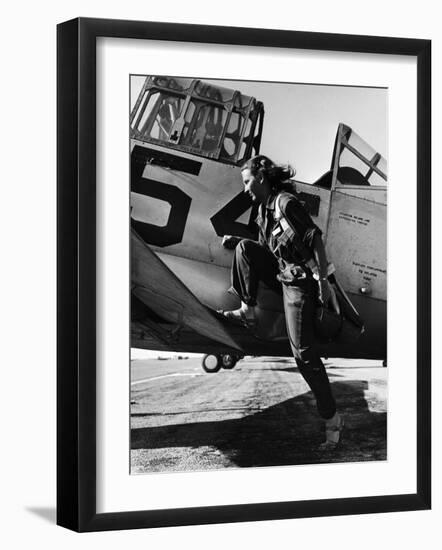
{"points": [[255, 186]]}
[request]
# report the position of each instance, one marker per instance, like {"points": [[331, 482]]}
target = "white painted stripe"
{"points": [[166, 376]]}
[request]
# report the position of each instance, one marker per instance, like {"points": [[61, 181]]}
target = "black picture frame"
{"points": [[76, 274]]}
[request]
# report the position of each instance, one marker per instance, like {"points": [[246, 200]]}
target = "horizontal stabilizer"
{"points": [[162, 292]]}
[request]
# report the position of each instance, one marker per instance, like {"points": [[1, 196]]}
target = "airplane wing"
{"points": [[167, 316], [163, 294], [151, 333]]}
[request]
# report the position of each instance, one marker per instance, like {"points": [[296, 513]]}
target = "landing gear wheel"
{"points": [[211, 363], [228, 361]]}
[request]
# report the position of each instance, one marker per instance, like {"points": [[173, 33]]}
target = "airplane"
{"points": [[188, 141]]}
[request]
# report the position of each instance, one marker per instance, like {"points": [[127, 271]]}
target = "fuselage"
{"points": [[185, 199]]}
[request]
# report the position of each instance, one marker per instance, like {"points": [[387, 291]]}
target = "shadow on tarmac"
{"points": [[284, 434]]}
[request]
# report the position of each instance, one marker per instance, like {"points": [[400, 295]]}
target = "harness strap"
{"points": [[288, 229], [289, 234]]}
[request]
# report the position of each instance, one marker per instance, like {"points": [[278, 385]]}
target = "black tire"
{"points": [[228, 361], [211, 363]]}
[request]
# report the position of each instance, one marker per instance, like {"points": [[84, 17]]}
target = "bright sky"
{"points": [[301, 121]]}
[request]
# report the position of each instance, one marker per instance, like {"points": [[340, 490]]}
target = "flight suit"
{"points": [[280, 259]]}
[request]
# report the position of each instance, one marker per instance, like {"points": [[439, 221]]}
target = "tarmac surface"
{"points": [[261, 413]]}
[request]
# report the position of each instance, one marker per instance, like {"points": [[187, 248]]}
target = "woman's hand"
{"points": [[324, 291], [230, 242], [322, 267]]}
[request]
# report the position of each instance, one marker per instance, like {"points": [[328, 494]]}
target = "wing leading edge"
{"points": [[154, 284]]}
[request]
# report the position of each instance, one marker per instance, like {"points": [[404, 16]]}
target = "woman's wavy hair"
{"points": [[277, 175]]}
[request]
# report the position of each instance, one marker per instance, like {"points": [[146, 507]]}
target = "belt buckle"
{"points": [[298, 272]]}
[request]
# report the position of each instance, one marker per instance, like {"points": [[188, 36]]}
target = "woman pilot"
{"points": [[288, 254]]}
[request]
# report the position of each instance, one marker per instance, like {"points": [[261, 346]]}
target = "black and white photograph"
{"points": [[258, 287], [220, 320]]}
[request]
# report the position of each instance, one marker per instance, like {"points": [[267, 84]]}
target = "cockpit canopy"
{"points": [[354, 163], [198, 117]]}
